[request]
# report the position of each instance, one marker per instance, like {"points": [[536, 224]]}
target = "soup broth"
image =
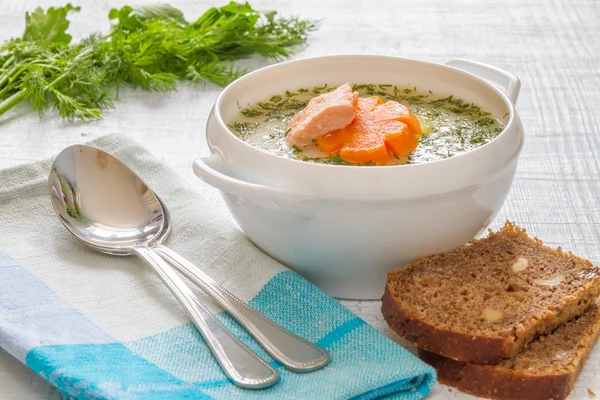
{"points": [[450, 125]]}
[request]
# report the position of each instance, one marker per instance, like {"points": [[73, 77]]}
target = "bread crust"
{"points": [[485, 381], [455, 345]]}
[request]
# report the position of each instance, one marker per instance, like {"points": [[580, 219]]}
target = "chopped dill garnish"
{"points": [[317, 90], [369, 88], [244, 128], [251, 112], [336, 159]]}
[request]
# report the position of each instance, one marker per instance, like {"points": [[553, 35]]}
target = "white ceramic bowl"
{"points": [[345, 227]]}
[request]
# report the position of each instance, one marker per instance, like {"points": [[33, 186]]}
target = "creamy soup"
{"points": [[450, 126]]}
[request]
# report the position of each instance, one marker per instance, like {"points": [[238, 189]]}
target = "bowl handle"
{"points": [[237, 187], [510, 84]]}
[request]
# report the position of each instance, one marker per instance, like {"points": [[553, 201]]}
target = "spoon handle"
{"points": [[294, 352], [243, 366]]}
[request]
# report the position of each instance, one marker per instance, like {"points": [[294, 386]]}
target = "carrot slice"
{"points": [[392, 110], [366, 144], [399, 139], [332, 142]]}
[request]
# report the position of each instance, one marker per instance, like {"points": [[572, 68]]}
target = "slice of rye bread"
{"points": [[547, 369], [486, 300]]}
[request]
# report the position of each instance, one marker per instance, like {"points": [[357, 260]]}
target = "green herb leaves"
{"points": [[149, 48], [130, 19], [48, 27]]}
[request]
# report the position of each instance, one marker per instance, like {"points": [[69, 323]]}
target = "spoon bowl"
{"points": [[155, 240], [102, 201]]}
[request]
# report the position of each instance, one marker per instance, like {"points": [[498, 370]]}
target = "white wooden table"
{"points": [[552, 45]]}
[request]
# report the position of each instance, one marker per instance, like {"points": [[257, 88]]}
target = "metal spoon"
{"points": [[103, 203], [294, 352], [248, 317]]}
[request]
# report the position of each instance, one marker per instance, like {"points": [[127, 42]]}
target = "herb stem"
{"points": [[9, 75], [12, 101], [5, 90], [9, 61]]}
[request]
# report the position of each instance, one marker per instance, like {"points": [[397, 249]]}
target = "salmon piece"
{"points": [[323, 114], [377, 130]]}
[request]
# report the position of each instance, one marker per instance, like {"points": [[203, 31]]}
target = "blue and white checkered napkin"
{"points": [[97, 326]]}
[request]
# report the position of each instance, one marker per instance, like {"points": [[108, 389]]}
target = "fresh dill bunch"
{"points": [[65, 79], [149, 48], [205, 49]]}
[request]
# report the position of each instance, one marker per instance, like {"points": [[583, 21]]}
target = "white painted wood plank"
{"points": [[551, 45]]}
